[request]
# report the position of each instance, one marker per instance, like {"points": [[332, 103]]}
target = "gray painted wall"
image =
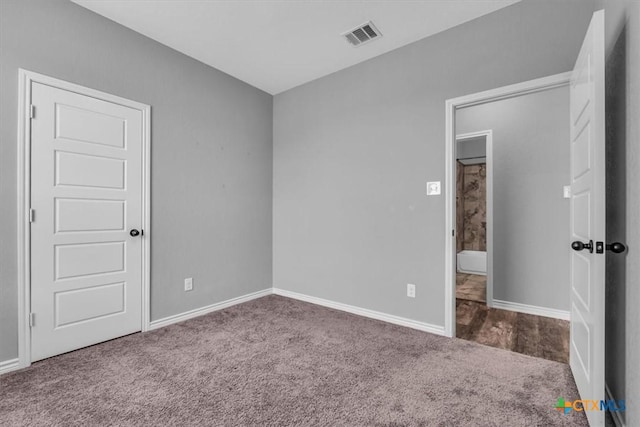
{"points": [[211, 153], [471, 148], [353, 150], [623, 203], [530, 167]]}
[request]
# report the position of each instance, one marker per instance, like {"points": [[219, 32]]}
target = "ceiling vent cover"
{"points": [[362, 34]]}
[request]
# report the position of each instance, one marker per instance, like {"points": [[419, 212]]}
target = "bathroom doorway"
{"points": [[508, 215], [473, 217]]}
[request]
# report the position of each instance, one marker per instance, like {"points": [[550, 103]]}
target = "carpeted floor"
{"points": [[281, 362]]}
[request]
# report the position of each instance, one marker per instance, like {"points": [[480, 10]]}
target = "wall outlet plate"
{"points": [[188, 284], [433, 188]]}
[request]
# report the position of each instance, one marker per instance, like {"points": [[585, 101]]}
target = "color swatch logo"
{"points": [[563, 406], [590, 405]]}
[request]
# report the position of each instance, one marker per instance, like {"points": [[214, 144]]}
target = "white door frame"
{"points": [[505, 92], [488, 135], [26, 78]]}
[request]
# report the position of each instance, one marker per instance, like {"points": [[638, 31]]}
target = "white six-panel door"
{"points": [[86, 195], [588, 217]]}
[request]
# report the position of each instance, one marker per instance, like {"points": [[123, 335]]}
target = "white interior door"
{"points": [[86, 195], [588, 217]]}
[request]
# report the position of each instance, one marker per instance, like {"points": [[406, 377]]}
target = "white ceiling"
{"points": [[279, 44]]}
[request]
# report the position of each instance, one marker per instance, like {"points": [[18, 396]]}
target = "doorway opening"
{"points": [[473, 217], [507, 218]]}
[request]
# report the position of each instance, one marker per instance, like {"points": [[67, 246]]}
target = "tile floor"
{"points": [[471, 287], [523, 333]]}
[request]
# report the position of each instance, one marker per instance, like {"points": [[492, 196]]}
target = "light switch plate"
{"points": [[433, 188], [566, 191], [411, 290]]}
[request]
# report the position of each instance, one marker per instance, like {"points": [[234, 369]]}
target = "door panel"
{"points": [[90, 303], [86, 270], [588, 217], [91, 127], [89, 215], [81, 170], [582, 152], [84, 259]]}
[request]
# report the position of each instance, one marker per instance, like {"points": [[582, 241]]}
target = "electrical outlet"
{"points": [[188, 284], [411, 290]]}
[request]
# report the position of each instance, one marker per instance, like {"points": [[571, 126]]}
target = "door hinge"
{"points": [[32, 319], [453, 233], [32, 215], [32, 111]]}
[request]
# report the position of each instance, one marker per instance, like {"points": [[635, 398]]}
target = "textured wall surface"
{"points": [[474, 205], [211, 153], [459, 206], [471, 207]]}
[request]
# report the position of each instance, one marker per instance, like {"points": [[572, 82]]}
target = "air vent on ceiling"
{"points": [[362, 34]]}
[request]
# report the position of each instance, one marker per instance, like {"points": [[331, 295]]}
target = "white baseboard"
{"points": [[617, 417], [208, 309], [531, 309], [402, 321], [9, 365]]}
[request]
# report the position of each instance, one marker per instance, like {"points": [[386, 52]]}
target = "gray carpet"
{"points": [[281, 362]]}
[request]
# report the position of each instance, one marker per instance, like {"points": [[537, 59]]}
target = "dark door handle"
{"points": [[616, 247], [134, 233], [578, 246]]}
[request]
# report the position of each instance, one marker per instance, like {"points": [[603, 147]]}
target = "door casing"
{"points": [[26, 78], [451, 105]]}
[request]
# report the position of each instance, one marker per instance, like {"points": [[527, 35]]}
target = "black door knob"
{"points": [[134, 233], [578, 246], [616, 247]]}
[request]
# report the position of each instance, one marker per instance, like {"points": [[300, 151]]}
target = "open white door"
{"points": [[588, 218]]}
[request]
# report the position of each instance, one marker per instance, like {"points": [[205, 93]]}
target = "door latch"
{"points": [[615, 247]]}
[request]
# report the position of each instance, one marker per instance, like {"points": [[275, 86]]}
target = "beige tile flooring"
{"points": [[471, 287]]}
